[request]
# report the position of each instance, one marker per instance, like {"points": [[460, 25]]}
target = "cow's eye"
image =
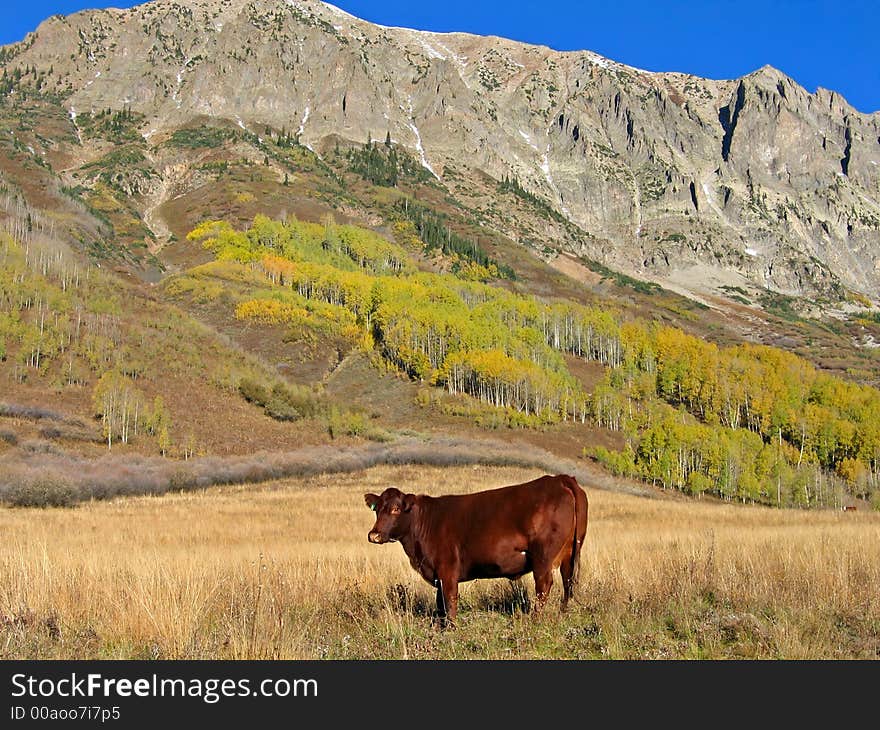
{"points": [[395, 510]]}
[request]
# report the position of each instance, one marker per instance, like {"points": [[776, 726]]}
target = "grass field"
{"points": [[284, 570]]}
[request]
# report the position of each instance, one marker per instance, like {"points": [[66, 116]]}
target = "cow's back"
{"points": [[511, 507]]}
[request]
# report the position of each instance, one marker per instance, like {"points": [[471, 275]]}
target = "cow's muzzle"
{"points": [[375, 537]]}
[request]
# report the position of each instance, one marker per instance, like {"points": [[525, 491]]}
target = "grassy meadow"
{"points": [[284, 570]]}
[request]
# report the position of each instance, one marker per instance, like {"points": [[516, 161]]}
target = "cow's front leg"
{"points": [[447, 599], [543, 584]]}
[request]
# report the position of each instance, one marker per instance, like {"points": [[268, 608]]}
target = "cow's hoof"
{"points": [[444, 623]]}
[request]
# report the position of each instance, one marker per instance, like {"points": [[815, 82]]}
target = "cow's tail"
{"points": [[580, 523]]}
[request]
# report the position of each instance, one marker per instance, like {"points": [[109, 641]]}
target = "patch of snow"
{"points": [[458, 59], [419, 147], [31, 150], [75, 125], [545, 168], [302, 124], [637, 70], [242, 125], [430, 50], [180, 81], [337, 28], [607, 63], [148, 134], [332, 8], [218, 26], [393, 27], [710, 198], [386, 27], [302, 128], [527, 137], [751, 252], [545, 165]]}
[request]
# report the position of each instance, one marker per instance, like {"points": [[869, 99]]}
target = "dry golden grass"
{"points": [[284, 570]]}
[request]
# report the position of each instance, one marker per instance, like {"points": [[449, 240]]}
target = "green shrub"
{"points": [[283, 402], [352, 423], [281, 409], [292, 398], [253, 392], [345, 423], [619, 463]]}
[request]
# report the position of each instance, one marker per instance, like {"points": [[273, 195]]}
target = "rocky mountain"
{"points": [[707, 186]]}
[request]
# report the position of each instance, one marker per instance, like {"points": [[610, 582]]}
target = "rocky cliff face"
{"points": [[697, 182]]}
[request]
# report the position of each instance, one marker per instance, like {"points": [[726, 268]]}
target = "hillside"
{"points": [[255, 227]]}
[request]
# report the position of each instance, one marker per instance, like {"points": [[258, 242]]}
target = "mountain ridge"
{"points": [[783, 196]]}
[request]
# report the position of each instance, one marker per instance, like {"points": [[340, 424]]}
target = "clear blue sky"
{"points": [[817, 42]]}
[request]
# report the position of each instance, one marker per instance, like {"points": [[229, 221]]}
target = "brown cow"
{"points": [[499, 533]]}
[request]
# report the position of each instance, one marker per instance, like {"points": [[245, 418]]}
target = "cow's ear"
{"points": [[408, 501], [372, 501]]}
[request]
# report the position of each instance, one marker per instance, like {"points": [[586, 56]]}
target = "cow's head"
{"points": [[393, 511]]}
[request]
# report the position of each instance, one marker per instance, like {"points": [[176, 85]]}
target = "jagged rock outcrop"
{"points": [[692, 180]]}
